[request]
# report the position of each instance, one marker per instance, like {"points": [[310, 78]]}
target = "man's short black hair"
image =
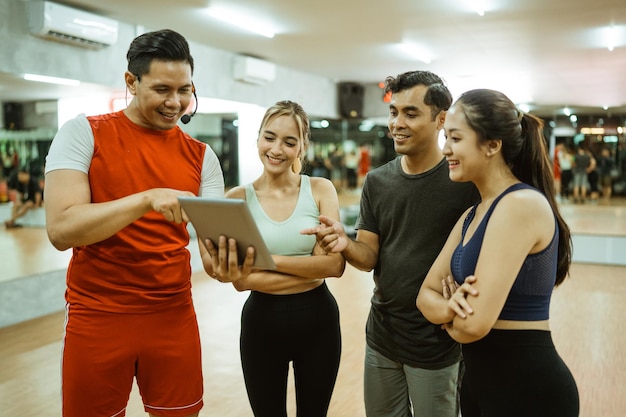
{"points": [[438, 97], [161, 45]]}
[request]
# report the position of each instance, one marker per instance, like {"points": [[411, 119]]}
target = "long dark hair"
{"points": [[494, 117], [161, 45]]}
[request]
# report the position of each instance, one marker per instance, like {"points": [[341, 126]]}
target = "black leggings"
{"points": [[517, 373], [300, 328]]}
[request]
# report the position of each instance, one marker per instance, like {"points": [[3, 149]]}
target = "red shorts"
{"points": [[104, 352]]}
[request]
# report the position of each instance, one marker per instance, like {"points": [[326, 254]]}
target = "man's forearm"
{"points": [[360, 256]]}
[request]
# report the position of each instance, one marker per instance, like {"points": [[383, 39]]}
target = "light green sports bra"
{"points": [[284, 238]]}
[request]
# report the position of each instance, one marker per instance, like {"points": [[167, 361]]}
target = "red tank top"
{"points": [[145, 266]]}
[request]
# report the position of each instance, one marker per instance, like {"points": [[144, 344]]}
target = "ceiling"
{"points": [[547, 53]]}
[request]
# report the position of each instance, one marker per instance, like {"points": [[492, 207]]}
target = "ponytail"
{"points": [[532, 165]]}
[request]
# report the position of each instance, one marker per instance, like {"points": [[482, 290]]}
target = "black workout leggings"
{"points": [[517, 373], [300, 328]]}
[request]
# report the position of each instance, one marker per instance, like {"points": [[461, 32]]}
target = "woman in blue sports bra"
{"points": [[490, 286], [290, 316]]}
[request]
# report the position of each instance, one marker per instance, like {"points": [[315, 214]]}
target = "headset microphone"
{"points": [[186, 118]]}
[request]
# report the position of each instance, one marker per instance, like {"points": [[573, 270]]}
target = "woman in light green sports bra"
{"points": [[290, 315]]}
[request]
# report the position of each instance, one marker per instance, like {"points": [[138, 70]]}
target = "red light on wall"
{"points": [[387, 95]]}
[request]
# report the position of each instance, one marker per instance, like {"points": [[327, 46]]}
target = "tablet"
{"points": [[213, 217]]}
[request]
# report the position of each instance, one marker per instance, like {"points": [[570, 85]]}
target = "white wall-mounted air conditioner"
{"points": [[253, 70], [61, 23]]}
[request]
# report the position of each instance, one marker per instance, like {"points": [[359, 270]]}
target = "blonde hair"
{"points": [[294, 110]]}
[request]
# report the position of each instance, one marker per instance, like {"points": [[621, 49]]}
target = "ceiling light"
{"points": [[567, 111], [320, 124], [592, 130], [366, 126], [478, 7], [242, 22], [611, 38], [51, 80]]}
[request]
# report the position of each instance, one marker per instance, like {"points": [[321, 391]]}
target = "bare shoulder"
{"points": [[325, 195], [525, 208], [322, 185], [237, 192]]}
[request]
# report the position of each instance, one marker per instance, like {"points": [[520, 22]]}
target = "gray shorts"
{"points": [[392, 389], [581, 180]]}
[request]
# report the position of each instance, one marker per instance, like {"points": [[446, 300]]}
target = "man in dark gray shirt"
{"points": [[408, 207]]}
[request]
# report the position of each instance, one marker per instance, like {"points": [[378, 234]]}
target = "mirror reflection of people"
{"points": [[112, 188], [290, 315], [10, 160], [565, 161], [352, 165], [490, 287], [583, 164], [365, 162], [27, 195], [606, 167]]}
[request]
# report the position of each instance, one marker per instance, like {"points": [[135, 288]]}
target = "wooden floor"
{"points": [[586, 318]]}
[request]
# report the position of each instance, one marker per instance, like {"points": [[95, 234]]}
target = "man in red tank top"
{"points": [[112, 188]]}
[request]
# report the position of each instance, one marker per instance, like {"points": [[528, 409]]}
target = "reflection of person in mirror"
{"points": [[130, 314], [352, 165], [290, 314], [606, 168], [565, 161], [583, 164], [364, 164], [25, 192], [10, 161]]}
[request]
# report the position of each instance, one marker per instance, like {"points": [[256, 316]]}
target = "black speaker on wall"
{"points": [[351, 100], [13, 116]]}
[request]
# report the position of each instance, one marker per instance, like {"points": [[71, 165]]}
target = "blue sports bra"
{"points": [[529, 298]]}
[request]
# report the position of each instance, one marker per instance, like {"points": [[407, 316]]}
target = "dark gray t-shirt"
{"points": [[582, 161], [413, 216]]}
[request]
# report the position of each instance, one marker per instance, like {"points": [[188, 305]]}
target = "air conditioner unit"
{"points": [[253, 70], [61, 23]]}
